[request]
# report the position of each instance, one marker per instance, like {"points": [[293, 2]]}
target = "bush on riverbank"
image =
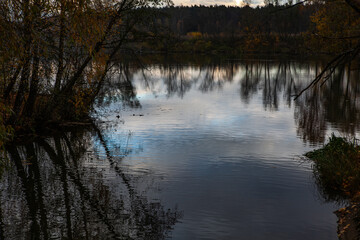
{"points": [[337, 168]]}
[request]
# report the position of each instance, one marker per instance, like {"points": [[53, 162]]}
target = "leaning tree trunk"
{"points": [[60, 71], [34, 86], [26, 64], [55, 105]]}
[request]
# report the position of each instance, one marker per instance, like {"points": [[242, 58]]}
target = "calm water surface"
{"points": [[190, 151]]}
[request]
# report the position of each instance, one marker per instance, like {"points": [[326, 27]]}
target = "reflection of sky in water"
{"points": [[233, 168]]}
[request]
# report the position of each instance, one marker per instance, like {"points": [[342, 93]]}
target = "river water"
{"points": [[190, 150]]}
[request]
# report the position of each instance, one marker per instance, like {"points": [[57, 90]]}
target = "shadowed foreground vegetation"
{"points": [[337, 168], [337, 172]]}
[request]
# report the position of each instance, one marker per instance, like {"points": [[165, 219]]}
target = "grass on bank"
{"points": [[337, 168]]}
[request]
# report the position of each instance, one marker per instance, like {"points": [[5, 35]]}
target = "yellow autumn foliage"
{"points": [[335, 23], [194, 34]]}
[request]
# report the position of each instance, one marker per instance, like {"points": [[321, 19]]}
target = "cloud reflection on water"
{"points": [[227, 139]]}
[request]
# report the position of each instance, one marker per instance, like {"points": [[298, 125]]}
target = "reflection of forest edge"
{"points": [[52, 189], [333, 104]]}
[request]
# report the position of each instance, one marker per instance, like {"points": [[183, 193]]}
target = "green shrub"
{"points": [[337, 168]]}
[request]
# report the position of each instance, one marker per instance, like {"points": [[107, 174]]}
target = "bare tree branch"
{"points": [[329, 69], [290, 6]]}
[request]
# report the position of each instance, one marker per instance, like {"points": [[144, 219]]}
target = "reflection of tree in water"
{"points": [[54, 189], [275, 79], [119, 84], [334, 104], [179, 79], [284, 78], [342, 94], [272, 78], [309, 117], [176, 80], [215, 76]]}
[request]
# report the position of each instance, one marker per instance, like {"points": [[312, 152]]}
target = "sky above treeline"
{"points": [[215, 2]]}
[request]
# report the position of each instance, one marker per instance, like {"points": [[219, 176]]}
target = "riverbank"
{"points": [[337, 172]]}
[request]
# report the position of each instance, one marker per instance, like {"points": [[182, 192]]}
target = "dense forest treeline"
{"points": [[268, 29], [222, 20]]}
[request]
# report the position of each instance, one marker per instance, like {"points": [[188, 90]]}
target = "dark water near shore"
{"points": [[201, 150]]}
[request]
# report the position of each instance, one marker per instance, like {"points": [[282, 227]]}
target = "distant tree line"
{"points": [[274, 28], [232, 21]]}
